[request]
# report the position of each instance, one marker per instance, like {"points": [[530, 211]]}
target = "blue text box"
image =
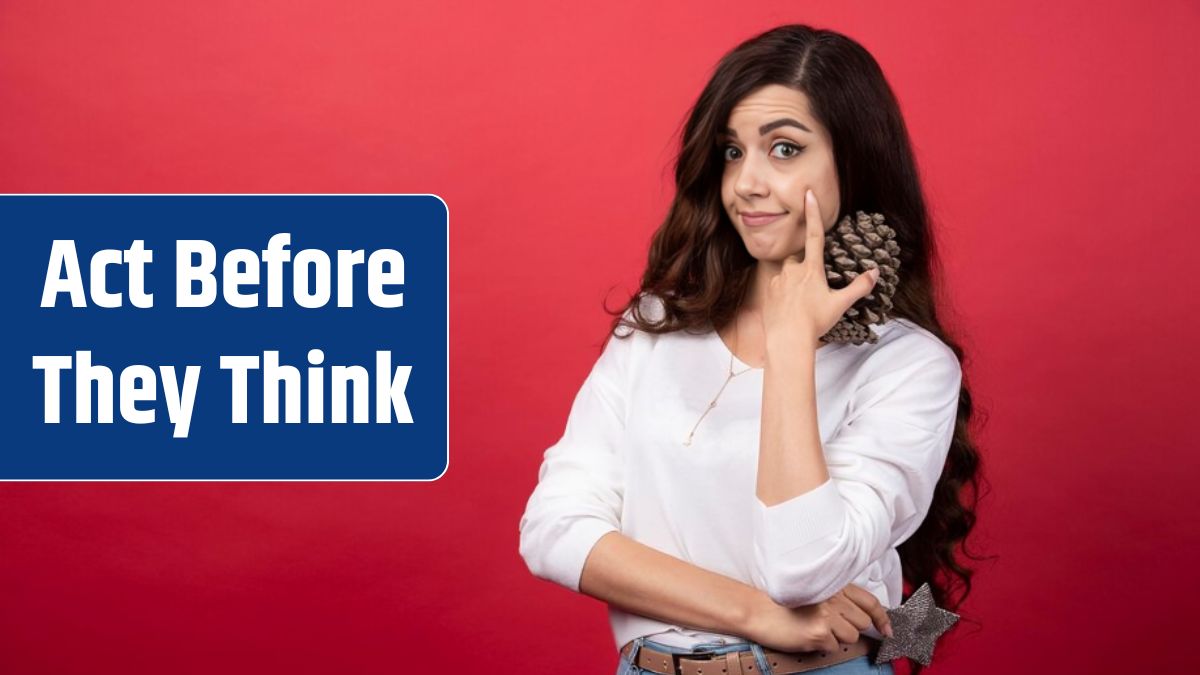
{"points": [[351, 340]]}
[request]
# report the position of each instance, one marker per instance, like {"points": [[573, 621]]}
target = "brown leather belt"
{"points": [[742, 663]]}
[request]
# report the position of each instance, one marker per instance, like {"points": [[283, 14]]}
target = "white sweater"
{"points": [[886, 416]]}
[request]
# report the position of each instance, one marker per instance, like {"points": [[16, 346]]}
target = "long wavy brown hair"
{"points": [[700, 269]]}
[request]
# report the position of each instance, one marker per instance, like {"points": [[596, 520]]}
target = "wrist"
{"points": [[785, 352], [755, 615]]}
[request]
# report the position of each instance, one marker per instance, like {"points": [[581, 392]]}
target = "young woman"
{"points": [[746, 496]]}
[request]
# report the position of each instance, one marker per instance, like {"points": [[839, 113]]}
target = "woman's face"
{"points": [[770, 161]]}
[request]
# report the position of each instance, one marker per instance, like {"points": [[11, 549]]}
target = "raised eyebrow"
{"points": [[769, 126]]}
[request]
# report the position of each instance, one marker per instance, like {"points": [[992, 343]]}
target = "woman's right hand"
{"points": [[819, 627]]}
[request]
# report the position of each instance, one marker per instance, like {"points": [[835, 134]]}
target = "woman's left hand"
{"points": [[800, 307]]}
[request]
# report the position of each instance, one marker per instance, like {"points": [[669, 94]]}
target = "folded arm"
{"points": [[643, 580], [570, 530]]}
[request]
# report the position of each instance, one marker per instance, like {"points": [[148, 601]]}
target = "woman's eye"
{"points": [[789, 150], [792, 148]]}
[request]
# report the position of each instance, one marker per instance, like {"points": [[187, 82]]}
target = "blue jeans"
{"points": [[862, 665]]}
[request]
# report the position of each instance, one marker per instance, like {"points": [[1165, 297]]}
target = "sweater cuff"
{"points": [[574, 546], [803, 519]]}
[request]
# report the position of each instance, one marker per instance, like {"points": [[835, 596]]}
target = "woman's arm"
{"points": [[827, 511], [790, 459], [641, 579], [824, 514]]}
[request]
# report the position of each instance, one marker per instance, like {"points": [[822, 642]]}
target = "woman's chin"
{"points": [[770, 251]]}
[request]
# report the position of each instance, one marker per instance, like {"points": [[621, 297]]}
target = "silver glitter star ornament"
{"points": [[916, 624]]}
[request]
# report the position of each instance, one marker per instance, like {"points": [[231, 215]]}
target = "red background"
{"points": [[1058, 144]]}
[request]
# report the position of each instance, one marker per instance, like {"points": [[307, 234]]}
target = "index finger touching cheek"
{"points": [[814, 231]]}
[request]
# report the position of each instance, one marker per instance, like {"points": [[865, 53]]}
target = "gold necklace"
{"points": [[712, 404]]}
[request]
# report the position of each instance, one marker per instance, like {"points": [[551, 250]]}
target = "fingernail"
{"points": [[808, 195], [887, 630], [874, 272]]}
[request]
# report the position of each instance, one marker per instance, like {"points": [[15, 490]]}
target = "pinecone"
{"points": [[851, 248]]}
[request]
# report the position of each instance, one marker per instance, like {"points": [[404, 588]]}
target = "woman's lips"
{"points": [[759, 220]]}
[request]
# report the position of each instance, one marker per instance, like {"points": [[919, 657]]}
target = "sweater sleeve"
{"points": [[580, 485], [883, 462]]}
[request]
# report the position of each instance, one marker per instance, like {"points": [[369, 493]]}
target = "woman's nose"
{"points": [[751, 181]]}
